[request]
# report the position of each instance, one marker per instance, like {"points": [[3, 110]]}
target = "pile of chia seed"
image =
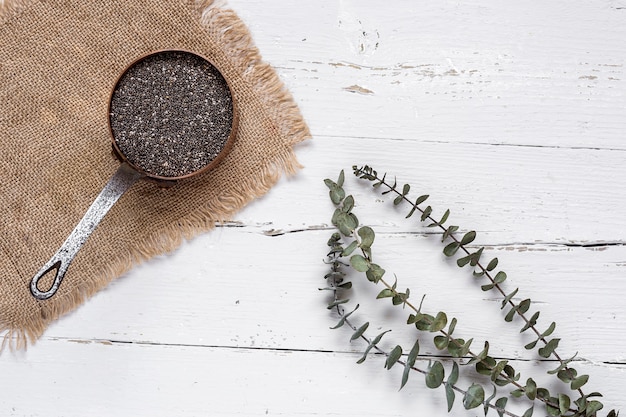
{"points": [[171, 114]]}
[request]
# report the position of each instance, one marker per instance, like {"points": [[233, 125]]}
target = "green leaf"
{"points": [[426, 213], [360, 331], [487, 287], [393, 357], [348, 204], [439, 322], [341, 178], [415, 350], [421, 199], [385, 293], [374, 273], [593, 407], [549, 348], [456, 348], [531, 345], [509, 297], [510, 314], [474, 396], [485, 366], [347, 222], [410, 362], [335, 303], [550, 330], [448, 232], [461, 262], [501, 405], [336, 195], [330, 183], [451, 249], [367, 236], [373, 343], [530, 323], [564, 403], [578, 382], [398, 200], [359, 263], [444, 218], [454, 374], [423, 321], [543, 393], [435, 375], [531, 389], [498, 369], [441, 342], [492, 265], [553, 411], [344, 317], [349, 249], [452, 326], [500, 277], [567, 375], [450, 396], [468, 238], [517, 393], [524, 305]]}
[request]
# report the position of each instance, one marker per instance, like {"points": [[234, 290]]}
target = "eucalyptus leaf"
{"points": [[578, 382], [359, 332], [367, 236], [474, 396], [348, 204], [451, 249], [439, 322], [374, 273], [441, 342], [501, 405], [564, 403], [450, 396], [349, 249], [468, 238], [454, 374], [394, 355], [359, 263], [341, 178], [435, 375]]}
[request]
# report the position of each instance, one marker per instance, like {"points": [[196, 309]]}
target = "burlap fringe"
{"points": [[233, 34]]}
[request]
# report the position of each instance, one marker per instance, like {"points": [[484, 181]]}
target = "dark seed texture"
{"points": [[171, 114]]}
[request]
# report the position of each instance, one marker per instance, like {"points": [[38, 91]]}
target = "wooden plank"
{"points": [[483, 72], [73, 379]]}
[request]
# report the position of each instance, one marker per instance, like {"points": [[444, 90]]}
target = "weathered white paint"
{"points": [[509, 114]]}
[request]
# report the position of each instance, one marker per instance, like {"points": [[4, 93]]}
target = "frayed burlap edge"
{"points": [[280, 107]]}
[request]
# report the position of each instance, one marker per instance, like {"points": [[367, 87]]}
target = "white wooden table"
{"points": [[511, 114]]}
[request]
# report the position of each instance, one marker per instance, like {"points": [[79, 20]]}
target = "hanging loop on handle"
{"points": [[119, 183]]}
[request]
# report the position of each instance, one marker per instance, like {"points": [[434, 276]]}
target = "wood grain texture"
{"points": [[511, 115]]}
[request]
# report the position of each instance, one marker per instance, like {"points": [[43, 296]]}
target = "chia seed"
{"points": [[171, 114]]}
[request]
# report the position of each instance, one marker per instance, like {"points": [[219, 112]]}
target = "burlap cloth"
{"points": [[59, 60]]}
